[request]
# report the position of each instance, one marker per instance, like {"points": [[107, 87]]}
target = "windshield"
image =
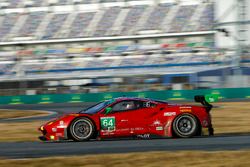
{"points": [[97, 107]]}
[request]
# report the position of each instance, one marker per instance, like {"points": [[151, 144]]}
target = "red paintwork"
{"points": [[131, 123]]}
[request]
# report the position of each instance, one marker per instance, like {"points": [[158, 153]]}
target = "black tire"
{"points": [[185, 126], [82, 129]]}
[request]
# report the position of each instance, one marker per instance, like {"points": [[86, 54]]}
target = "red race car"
{"points": [[132, 117]]}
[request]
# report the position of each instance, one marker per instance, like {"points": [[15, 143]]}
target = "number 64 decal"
{"points": [[108, 123]]}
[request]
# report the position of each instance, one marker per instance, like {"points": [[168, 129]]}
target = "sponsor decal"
{"points": [[75, 99], [156, 122], [141, 95], [59, 134], [108, 123], [137, 128], [159, 128], [61, 125], [45, 99], [16, 100], [144, 136], [168, 114], [54, 129], [185, 109], [122, 130], [108, 96], [107, 133]]}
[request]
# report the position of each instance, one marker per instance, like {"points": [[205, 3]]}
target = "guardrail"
{"points": [[225, 93]]}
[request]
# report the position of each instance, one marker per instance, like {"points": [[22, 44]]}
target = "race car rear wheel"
{"points": [[82, 129], [185, 126]]}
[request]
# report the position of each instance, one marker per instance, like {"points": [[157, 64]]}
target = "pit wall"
{"points": [[186, 95]]}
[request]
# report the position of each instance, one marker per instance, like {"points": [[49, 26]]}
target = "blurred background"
{"points": [[92, 46]]}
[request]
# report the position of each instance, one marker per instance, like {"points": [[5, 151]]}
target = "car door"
{"points": [[119, 121], [142, 117]]}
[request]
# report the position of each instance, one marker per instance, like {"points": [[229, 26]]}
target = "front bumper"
{"points": [[47, 135], [42, 138]]}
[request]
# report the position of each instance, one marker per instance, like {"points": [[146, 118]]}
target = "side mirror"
{"points": [[108, 110]]}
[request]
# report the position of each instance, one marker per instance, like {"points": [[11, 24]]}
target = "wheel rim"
{"points": [[82, 129], [185, 125]]}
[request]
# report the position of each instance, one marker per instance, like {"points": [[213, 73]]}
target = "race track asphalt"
{"points": [[47, 149]]}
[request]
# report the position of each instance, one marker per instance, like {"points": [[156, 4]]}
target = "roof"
{"points": [[138, 98]]}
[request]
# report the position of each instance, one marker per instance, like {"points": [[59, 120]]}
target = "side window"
{"points": [[124, 106], [149, 104]]}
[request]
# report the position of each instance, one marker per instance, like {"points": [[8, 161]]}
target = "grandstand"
{"points": [[109, 45], [29, 22]]}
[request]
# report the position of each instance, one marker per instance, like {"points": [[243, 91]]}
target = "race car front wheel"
{"points": [[185, 125], [81, 129]]}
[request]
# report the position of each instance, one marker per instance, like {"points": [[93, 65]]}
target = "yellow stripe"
{"points": [[176, 98], [45, 102], [75, 101], [16, 103]]}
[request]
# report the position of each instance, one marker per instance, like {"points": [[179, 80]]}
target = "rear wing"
{"points": [[206, 100]]}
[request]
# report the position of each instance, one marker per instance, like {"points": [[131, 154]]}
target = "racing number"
{"points": [[108, 123]]}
